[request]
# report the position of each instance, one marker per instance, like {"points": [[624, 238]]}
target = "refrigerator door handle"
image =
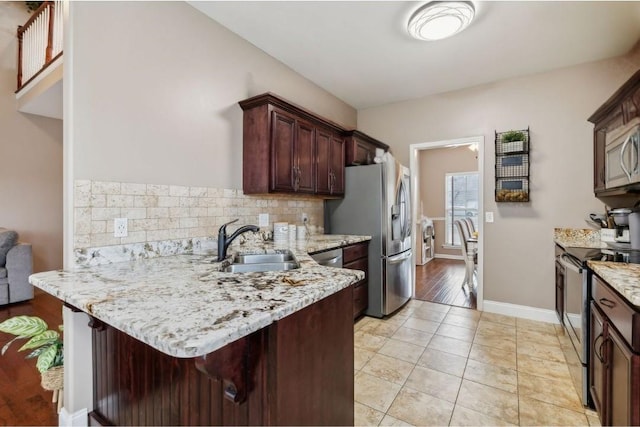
{"points": [[397, 259], [403, 203]]}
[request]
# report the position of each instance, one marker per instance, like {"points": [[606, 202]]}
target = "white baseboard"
{"points": [[77, 419], [522, 311], [446, 256]]}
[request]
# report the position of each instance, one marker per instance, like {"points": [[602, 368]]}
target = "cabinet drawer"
{"points": [[353, 252], [620, 314], [360, 298], [361, 264]]}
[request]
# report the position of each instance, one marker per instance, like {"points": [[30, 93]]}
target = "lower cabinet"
{"points": [[296, 371], [597, 365], [614, 371], [356, 257]]}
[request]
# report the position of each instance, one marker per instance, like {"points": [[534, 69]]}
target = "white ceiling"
{"points": [[360, 51]]}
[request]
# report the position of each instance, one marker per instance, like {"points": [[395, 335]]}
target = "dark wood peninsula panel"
{"points": [[297, 371]]}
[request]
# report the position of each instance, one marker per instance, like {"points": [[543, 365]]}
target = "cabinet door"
{"points": [[323, 160], [622, 402], [336, 162], [283, 133], [597, 366], [304, 178], [364, 152], [330, 163]]}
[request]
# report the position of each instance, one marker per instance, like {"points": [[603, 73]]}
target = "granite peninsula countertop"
{"points": [[623, 277], [185, 306]]}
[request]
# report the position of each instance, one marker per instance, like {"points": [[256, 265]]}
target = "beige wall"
{"points": [[518, 246], [30, 158], [433, 165], [156, 94]]}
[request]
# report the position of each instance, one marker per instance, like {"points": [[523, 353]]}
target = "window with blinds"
{"points": [[461, 200]]}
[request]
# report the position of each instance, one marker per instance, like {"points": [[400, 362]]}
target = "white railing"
{"points": [[39, 41]]}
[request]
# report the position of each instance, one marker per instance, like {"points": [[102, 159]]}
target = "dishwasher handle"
{"points": [[571, 263], [332, 258], [332, 262]]}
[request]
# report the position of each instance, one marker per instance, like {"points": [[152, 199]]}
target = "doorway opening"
{"points": [[447, 186]]}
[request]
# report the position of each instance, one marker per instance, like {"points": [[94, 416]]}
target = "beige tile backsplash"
{"points": [[165, 212]]}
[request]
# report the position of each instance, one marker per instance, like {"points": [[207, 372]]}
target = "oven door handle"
{"points": [[570, 263]]}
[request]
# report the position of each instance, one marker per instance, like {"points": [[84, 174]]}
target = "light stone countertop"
{"points": [[623, 277], [184, 306], [578, 238]]}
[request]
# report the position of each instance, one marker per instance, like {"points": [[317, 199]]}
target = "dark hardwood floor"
{"points": [[440, 280], [22, 400]]}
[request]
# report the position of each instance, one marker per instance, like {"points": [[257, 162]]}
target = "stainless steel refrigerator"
{"points": [[377, 202]]}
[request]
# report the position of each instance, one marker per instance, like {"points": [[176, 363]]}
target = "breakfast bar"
{"points": [[177, 340]]}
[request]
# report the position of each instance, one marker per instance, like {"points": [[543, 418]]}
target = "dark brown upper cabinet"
{"points": [[361, 148], [287, 149], [292, 146], [622, 107], [330, 163]]}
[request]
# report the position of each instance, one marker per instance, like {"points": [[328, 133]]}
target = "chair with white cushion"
{"points": [[470, 256]]}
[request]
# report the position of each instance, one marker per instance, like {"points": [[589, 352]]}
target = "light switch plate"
{"points": [[263, 220], [488, 217]]}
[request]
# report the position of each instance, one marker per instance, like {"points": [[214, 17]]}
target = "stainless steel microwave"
{"points": [[622, 151]]}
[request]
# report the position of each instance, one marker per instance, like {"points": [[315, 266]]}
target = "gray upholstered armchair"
{"points": [[16, 265]]}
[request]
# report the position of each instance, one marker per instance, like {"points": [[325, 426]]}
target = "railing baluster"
{"points": [[40, 40], [49, 49]]}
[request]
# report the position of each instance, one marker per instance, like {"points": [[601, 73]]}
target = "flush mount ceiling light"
{"points": [[440, 19]]}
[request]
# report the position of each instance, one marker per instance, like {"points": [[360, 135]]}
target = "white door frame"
{"points": [[413, 155]]}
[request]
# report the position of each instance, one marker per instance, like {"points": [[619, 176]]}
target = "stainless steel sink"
{"points": [[263, 266], [263, 258], [253, 263]]}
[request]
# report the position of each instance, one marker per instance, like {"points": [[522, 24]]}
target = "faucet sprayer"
{"points": [[224, 241]]}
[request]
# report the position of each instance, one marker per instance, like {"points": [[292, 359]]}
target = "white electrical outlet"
{"points": [[120, 228], [305, 218], [488, 217], [263, 220]]}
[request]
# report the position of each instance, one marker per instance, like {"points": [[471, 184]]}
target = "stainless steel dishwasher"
{"points": [[330, 258]]}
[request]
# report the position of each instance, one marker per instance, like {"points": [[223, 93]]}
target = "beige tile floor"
{"points": [[431, 364]]}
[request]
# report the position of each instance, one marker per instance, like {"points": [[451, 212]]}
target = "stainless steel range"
{"points": [[570, 267]]}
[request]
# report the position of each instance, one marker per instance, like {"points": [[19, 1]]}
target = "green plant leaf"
{"points": [[24, 326], [59, 360], [35, 353], [46, 358], [6, 346], [45, 338]]}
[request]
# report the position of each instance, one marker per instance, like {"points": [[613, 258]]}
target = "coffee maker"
{"points": [[620, 218], [634, 230]]}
